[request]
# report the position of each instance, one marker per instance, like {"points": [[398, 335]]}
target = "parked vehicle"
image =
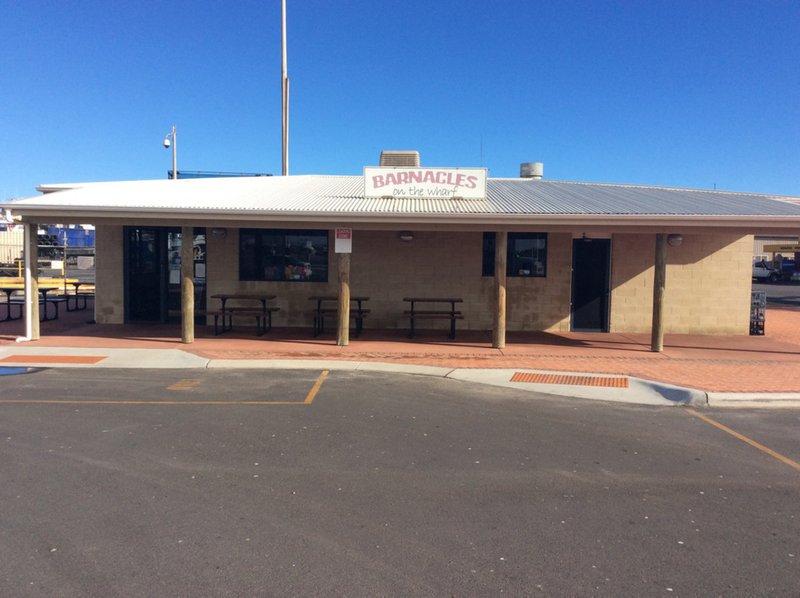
{"points": [[764, 271]]}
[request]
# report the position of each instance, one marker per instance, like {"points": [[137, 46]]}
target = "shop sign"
{"points": [[427, 183]]}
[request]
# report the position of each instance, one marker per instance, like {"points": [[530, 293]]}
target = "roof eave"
{"points": [[662, 221]]}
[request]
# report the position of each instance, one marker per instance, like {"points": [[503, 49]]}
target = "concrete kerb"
{"points": [[111, 358], [639, 391], [331, 364], [767, 400]]}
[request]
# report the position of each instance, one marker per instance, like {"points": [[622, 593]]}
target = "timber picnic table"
{"points": [[430, 313], [358, 313], [263, 316]]}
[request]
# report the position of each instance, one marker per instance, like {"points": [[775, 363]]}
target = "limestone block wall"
{"points": [[707, 284], [109, 275]]}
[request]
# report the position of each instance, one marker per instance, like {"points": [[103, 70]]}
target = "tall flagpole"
{"points": [[284, 94]]}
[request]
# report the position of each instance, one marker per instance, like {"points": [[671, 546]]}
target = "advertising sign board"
{"points": [[444, 183]]}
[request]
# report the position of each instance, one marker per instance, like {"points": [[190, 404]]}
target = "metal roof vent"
{"points": [[400, 158], [531, 170]]}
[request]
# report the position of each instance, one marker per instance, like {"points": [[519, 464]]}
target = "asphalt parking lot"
{"points": [[199, 482]]}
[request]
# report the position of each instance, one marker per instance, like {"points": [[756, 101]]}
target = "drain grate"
{"points": [[604, 381]]}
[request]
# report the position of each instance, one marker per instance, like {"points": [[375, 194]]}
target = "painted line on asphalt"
{"points": [[764, 449], [315, 389], [308, 400], [185, 384]]}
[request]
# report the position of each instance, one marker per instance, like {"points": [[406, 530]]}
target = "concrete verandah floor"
{"points": [[769, 363]]}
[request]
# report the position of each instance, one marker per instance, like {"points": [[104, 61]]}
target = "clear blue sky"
{"points": [[683, 93]]}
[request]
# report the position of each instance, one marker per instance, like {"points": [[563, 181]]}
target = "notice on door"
{"points": [[344, 240]]}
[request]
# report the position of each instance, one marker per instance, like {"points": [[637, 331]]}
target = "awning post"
{"points": [[500, 265], [659, 284], [343, 334], [187, 284], [31, 282]]}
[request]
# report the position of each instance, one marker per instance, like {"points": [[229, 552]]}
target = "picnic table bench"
{"points": [[18, 301], [78, 295], [429, 313], [357, 312], [226, 312]]}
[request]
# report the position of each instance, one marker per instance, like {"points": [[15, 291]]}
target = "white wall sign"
{"points": [[466, 183], [343, 242]]}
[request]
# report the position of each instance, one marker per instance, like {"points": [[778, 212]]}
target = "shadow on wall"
{"points": [[634, 255]]}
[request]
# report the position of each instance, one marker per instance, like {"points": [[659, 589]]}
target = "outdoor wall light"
{"points": [[406, 236], [674, 240], [219, 232]]}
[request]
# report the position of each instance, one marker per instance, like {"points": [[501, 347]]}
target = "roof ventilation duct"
{"points": [[400, 158], [531, 170]]}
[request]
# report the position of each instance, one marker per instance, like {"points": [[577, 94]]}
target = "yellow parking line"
{"points": [[185, 384], [180, 385], [743, 438], [109, 402], [315, 389]]}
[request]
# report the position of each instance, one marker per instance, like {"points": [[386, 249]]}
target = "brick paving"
{"points": [[769, 363]]}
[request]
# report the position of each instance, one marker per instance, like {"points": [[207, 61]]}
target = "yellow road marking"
{"points": [[315, 389], [181, 385], [107, 402], [185, 384], [743, 438]]}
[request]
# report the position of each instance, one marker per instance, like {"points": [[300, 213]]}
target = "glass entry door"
{"points": [[153, 273]]}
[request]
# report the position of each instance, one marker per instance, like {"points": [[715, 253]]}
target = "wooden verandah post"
{"points": [[659, 284], [500, 259], [187, 284], [343, 333]]}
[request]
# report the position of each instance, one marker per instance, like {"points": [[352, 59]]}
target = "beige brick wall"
{"points": [[708, 281], [441, 264], [707, 284], [109, 296]]}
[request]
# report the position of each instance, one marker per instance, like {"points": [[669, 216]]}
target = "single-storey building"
{"points": [[524, 254]]}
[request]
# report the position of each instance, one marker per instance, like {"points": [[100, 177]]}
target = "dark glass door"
{"points": [[591, 266], [145, 274], [153, 273]]}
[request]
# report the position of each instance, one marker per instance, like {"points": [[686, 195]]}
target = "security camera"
{"points": [[166, 142]]}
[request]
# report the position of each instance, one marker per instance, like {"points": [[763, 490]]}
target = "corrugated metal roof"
{"points": [[344, 195]]}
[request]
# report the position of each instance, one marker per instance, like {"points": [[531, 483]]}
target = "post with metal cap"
{"points": [[500, 265], [659, 285], [187, 284]]}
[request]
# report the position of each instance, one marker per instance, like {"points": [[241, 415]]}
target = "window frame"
{"points": [[255, 271], [489, 248]]}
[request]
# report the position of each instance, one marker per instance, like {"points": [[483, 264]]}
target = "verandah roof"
{"points": [[341, 198]]}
